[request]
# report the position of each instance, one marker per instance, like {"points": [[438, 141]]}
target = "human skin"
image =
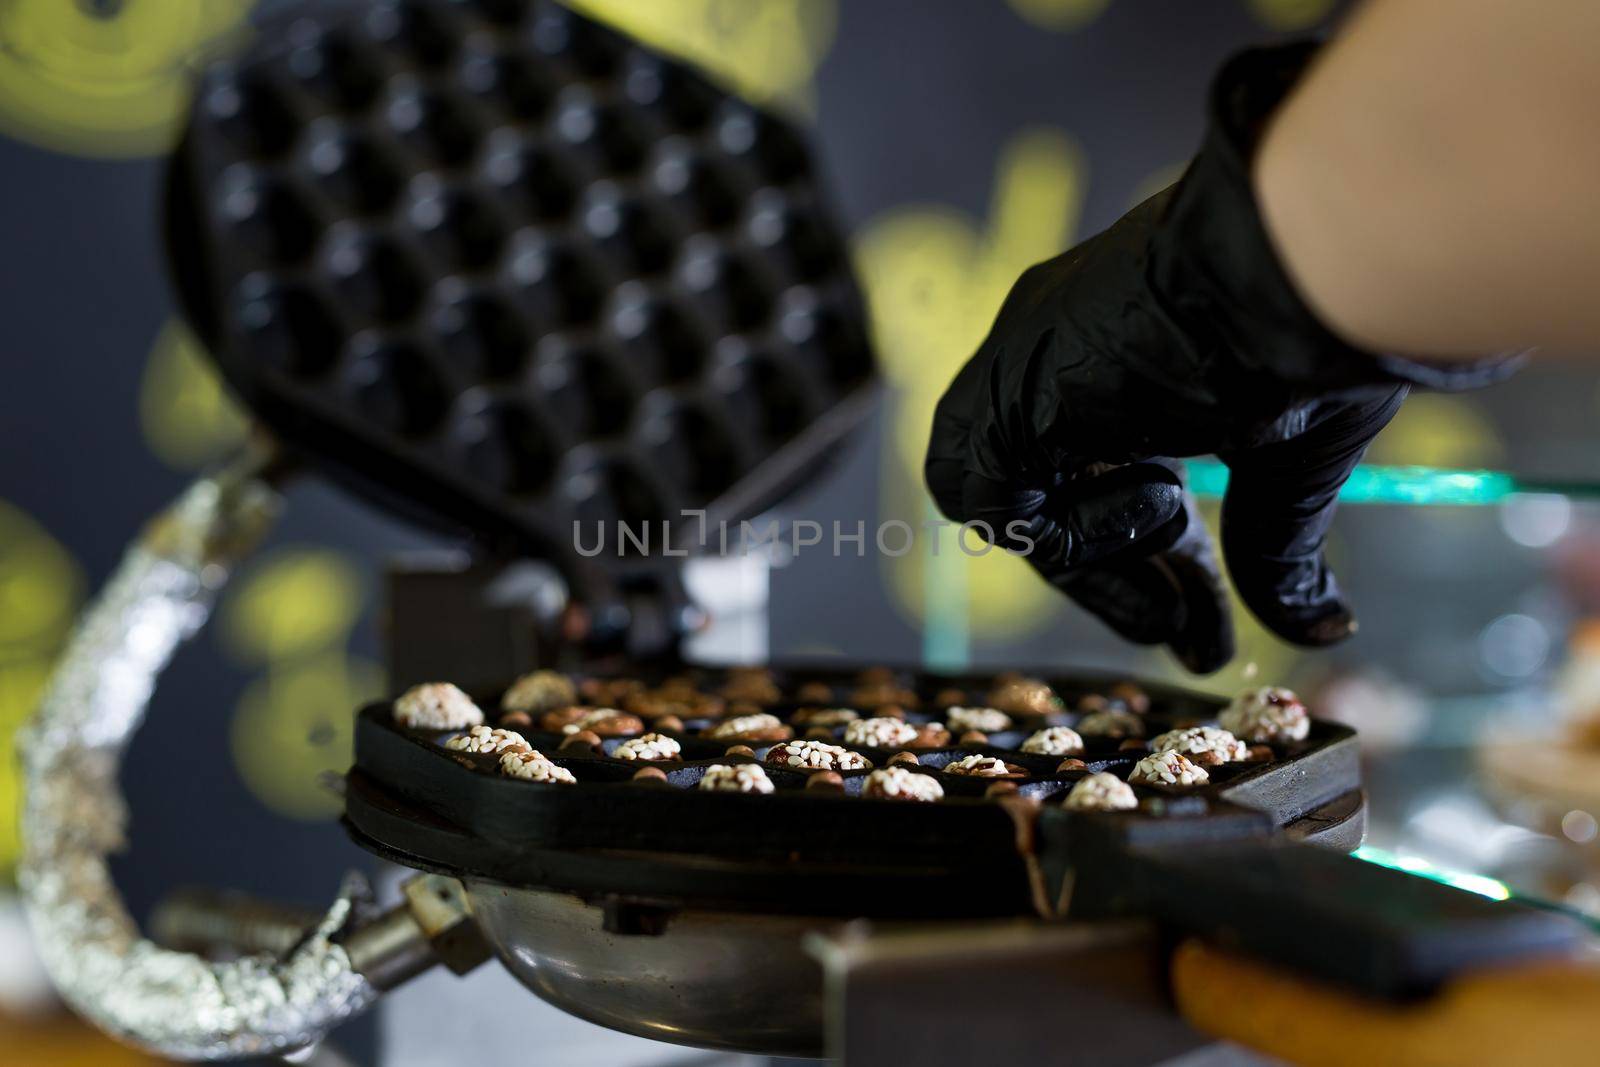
{"points": [[1429, 185]]}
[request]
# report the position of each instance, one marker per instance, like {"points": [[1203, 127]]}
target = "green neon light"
{"points": [[1472, 883], [946, 641], [1401, 485]]}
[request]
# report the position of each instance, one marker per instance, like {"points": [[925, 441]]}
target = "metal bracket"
{"points": [[431, 926], [479, 623]]}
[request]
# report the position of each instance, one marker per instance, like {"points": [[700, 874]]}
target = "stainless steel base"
{"points": [[750, 983], [722, 980]]}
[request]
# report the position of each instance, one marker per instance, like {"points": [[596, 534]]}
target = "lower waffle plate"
{"points": [[819, 851]]}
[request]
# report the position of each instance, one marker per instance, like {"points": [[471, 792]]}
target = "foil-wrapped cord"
{"points": [[173, 1003]]}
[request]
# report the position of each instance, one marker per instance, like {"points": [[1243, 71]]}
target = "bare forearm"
{"points": [[1431, 185]]}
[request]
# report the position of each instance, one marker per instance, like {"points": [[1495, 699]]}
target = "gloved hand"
{"points": [[1174, 333]]}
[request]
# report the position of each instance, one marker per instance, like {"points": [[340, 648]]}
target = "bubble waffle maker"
{"points": [[654, 907], [500, 269], [657, 908]]}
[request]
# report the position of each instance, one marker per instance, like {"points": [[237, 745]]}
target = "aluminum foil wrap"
{"points": [[174, 1003]]}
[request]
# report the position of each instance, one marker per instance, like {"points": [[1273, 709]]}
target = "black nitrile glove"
{"points": [[1174, 333]]}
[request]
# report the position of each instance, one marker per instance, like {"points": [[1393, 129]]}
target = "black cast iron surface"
{"points": [[410, 794], [504, 269]]}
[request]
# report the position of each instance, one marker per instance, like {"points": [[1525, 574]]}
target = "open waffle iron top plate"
{"points": [[500, 268], [816, 851]]}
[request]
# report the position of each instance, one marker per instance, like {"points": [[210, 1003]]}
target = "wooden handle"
{"points": [[1531, 1012]]}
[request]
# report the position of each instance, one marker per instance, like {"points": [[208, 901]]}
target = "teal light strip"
{"points": [[1472, 883], [946, 641], [1401, 485]]}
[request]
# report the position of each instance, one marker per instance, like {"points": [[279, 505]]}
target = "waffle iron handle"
{"points": [[175, 1003], [1327, 916], [1539, 1011]]}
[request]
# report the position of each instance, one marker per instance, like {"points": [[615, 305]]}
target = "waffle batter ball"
{"points": [[533, 766], [1024, 696], [539, 692], [606, 722], [880, 733], [739, 778], [761, 727], [436, 706], [980, 767], [1093, 702], [651, 747], [678, 703], [879, 686], [608, 692], [984, 720], [824, 718], [1101, 792], [681, 683], [814, 693], [752, 685], [1112, 722], [484, 739], [556, 721], [1130, 696], [897, 783], [1168, 768], [1266, 715], [815, 756], [1054, 741], [1205, 745]]}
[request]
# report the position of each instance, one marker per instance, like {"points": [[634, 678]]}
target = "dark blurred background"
{"points": [[965, 140]]}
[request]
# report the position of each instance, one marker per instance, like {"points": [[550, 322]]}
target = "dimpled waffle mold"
{"points": [[505, 269], [974, 830]]}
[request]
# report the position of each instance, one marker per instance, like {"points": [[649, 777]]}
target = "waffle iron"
{"points": [[500, 269], [651, 907]]}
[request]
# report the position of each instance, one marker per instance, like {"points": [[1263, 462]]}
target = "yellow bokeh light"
{"points": [[22, 683], [39, 585], [934, 281], [109, 78], [1061, 15], [295, 602], [1058, 14], [187, 416], [765, 49], [1439, 430], [293, 613], [294, 724], [1155, 182], [1291, 14], [1262, 656]]}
